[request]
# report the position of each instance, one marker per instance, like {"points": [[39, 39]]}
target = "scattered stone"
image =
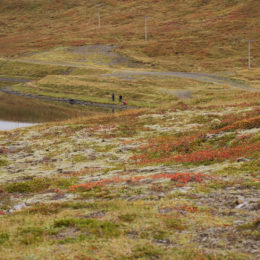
{"points": [[243, 160], [249, 205], [17, 207], [132, 234], [161, 195], [69, 232], [58, 196], [66, 172], [215, 122], [165, 210], [211, 136], [92, 157], [165, 242], [239, 222], [98, 214]]}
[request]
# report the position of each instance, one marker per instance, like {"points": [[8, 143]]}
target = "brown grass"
{"points": [[190, 35]]}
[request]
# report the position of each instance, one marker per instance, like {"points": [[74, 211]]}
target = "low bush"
{"points": [[39, 184], [4, 237], [3, 162], [30, 235], [243, 124]]}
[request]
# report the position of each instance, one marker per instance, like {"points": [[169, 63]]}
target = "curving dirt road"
{"points": [[211, 78], [9, 91], [18, 80], [126, 74]]}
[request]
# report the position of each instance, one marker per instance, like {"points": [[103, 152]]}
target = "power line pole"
{"points": [[145, 28], [99, 23], [249, 54]]}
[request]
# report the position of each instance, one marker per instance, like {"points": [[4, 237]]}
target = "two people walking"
{"points": [[120, 99]]}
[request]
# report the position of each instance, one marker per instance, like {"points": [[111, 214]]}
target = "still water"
{"points": [[9, 125]]}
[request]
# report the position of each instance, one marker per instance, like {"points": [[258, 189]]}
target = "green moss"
{"points": [[93, 226], [252, 225], [79, 158], [27, 186], [4, 237], [39, 184], [246, 167], [44, 209], [173, 223], [26, 70], [30, 235], [3, 162], [127, 217], [147, 251]]}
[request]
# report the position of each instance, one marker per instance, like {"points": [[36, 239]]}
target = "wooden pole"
{"points": [[99, 23], [249, 54], [145, 28]]}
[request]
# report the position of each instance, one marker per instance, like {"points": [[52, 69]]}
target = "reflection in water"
{"points": [[8, 125]]}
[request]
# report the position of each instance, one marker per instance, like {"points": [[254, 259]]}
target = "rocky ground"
{"points": [[178, 182]]}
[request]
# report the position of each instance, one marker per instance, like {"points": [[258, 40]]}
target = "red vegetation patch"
{"points": [[179, 178], [190, 209], [201, 156], [242, 124], [4, 150], [162, 144], [242, 105], [88, 170]]}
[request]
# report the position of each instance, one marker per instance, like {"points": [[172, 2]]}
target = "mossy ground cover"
{"points": [[84, 194], [26, 70]]}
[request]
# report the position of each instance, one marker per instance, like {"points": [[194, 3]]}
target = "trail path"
{"points": [[206, 77], [188, 75], [8, 90], [126, 74], [53, 63], [18, 80]]}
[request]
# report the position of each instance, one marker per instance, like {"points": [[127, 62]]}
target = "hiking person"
{"points": [[113, 97], [120, 98], [124, 103]]}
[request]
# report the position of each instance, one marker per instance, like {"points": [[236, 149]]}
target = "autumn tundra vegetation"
{"points": [[174, 174]]}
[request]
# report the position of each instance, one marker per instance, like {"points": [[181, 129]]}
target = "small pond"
{"points": [[9, 125]]}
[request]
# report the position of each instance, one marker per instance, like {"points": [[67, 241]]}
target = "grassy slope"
{"points": [[21, 109], [183, 35], [96, 188]]}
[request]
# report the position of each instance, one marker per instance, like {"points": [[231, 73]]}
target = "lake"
{"points": [[9, 125]]}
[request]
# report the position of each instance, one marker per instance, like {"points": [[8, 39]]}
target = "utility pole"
{"points": [[145, 28], [249, 54], [99, 23]]}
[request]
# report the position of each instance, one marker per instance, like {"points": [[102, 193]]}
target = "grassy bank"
{"points": [[14, 108]]}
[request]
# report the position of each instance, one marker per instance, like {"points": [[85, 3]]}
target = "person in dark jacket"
{"points": [[113, 97], [120, 98]]}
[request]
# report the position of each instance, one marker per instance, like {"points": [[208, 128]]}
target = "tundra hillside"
{"points": [[174, 175], [184, 35]]}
